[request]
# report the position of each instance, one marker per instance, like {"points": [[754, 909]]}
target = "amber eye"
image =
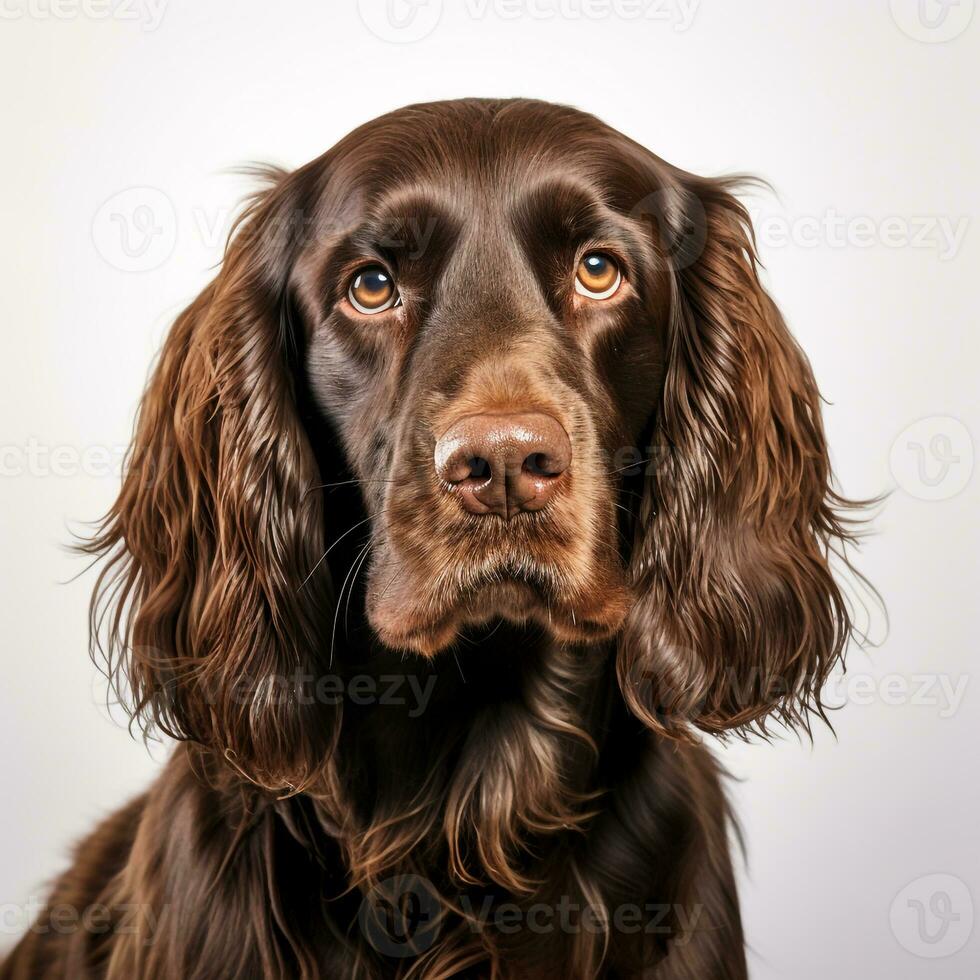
{"points": [[372, 290], [598, 276]]}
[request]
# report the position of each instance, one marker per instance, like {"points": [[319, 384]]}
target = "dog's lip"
{"points": [[456, 612], [429, 636], [529, 578]]}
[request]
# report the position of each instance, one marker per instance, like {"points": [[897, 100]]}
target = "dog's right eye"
{"points": [[372, 290], [597, 276]]}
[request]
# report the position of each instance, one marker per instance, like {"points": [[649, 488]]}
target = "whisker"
{"points": [[336, 613], [629, 466], [359, 562], [391, 580], [345, 483], [327, 552], [500, 623]]}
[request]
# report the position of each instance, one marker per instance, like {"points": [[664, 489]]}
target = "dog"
{"points": [[483, 480]]}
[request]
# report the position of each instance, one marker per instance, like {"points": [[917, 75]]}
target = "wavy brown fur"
{"points": [[279, 516]]}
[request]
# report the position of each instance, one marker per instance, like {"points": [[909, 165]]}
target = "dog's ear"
{"points": [[214, 589], [739, 616]]}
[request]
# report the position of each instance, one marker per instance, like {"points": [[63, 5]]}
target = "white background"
{"points": [[865, 118]]}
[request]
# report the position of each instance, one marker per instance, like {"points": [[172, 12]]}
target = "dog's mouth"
{"points": [[432, 619], [521, 598], [441, 565]]}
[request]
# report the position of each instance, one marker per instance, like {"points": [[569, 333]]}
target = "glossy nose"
{"points": [[503, 464]]}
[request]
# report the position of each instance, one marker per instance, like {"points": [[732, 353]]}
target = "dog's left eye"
{"points": [[372, 290], [597, 276]]}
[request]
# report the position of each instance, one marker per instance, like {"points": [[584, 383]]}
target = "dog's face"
{"points": [[546, 362], [486, 325]]}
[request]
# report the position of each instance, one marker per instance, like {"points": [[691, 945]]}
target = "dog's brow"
{"points": [[567, 214], [406, 224], [568, 209], [558, 191]]}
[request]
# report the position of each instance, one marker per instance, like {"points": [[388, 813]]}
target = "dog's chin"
{"points": [[591, 618]]}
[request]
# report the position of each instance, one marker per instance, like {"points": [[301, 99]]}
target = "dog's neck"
{"points": [[475, 761]]}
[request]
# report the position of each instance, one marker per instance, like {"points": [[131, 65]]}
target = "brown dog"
{"points": [[488, 407]]}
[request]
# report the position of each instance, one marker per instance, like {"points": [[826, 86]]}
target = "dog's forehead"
{"points": [[478, 151], [477, 184]]}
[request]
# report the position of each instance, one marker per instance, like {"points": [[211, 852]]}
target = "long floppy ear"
{"points": [[739, 615], [211, 613]]}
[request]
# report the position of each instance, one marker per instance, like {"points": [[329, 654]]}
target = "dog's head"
{"points": [[543, 359]]}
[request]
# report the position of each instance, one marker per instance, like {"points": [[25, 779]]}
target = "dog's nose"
{"points": [[505, 463]]}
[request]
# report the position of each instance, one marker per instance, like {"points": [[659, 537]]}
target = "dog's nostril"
{"points": [[541, 464], [479, 468]]}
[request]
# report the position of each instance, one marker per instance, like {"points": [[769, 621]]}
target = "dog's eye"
{"points": [[598, 276], [372, 290]]}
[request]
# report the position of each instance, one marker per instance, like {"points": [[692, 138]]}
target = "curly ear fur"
{"points": [[740, 616], [215, 525]]}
